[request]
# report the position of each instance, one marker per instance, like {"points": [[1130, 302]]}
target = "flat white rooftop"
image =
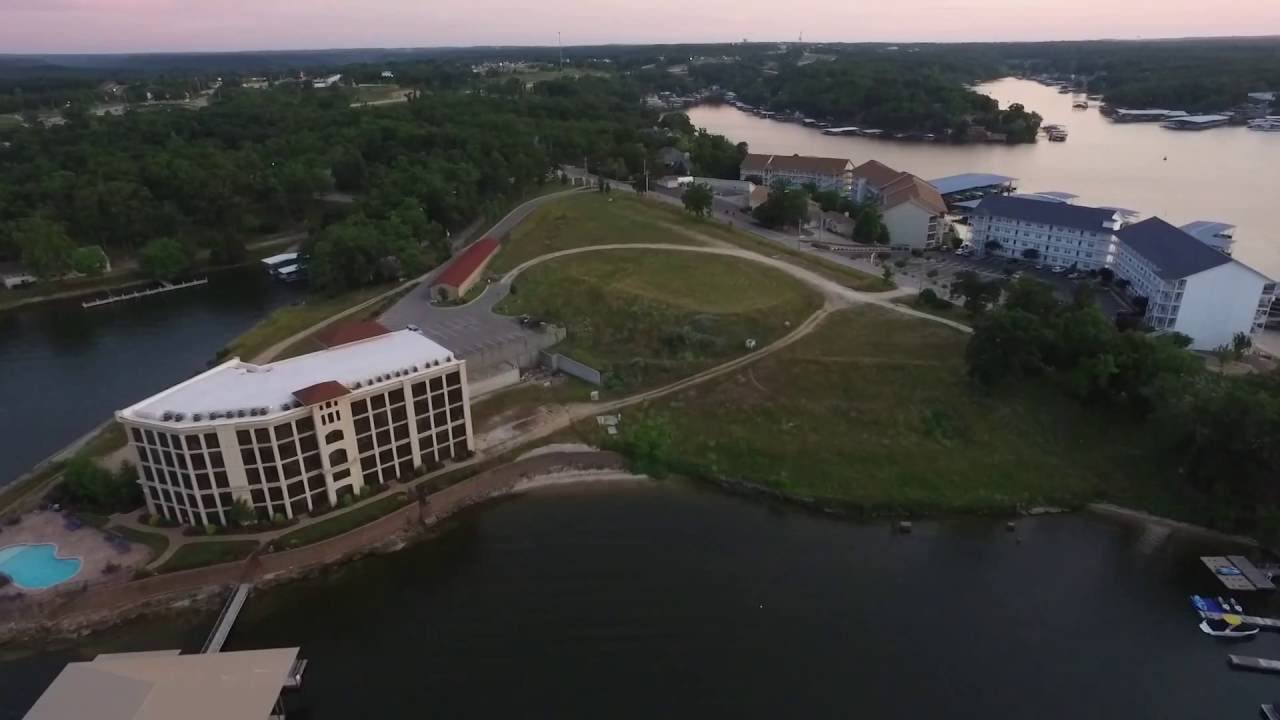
{"points": [[236, 385]]}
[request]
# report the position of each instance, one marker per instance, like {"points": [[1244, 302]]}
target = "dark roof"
{"points": [[1049, 213], [465, 265], [876, 173], [321, 392], [756, 163], [1174, 253], [349, 332]]}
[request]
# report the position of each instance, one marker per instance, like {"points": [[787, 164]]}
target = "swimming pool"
{"points": [[35, 567]]}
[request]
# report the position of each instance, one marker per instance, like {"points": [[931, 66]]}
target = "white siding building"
{"points": [[1059, 233], [300, 433], [826, 173], [1190, 287], [913, 212]]}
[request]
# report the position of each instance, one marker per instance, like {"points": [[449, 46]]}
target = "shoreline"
{"points": [[74, 613], [566, 465]]}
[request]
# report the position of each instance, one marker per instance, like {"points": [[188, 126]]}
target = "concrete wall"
{"points": [[908, 226], [522, 352], [1218, 303], [503, 378], [569, 366]]}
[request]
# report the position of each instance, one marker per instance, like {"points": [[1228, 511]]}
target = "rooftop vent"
{"points": [[240, 412], [357, 385], [197, 417], [284, 407], [179, 417], [167, 416]]}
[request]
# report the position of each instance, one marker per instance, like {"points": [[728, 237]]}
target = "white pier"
{"points": [[164, 288]]}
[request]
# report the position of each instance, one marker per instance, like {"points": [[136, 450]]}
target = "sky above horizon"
{"points": [[78, 26]]}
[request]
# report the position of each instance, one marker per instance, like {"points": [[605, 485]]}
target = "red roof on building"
{"points": [[321, 392], [465, 265], [350, 332]]}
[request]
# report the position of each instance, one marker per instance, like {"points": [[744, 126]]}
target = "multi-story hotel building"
{"points": [[826, 173], [1190, 286], [300, 433], [1060, 233]]}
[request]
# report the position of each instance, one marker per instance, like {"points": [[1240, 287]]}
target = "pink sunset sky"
{"points": [[175, 25]]}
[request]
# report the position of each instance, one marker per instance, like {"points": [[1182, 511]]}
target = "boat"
{"points": [[1267, 124], [1080, 105], [1064, 91], [1228, 626]]}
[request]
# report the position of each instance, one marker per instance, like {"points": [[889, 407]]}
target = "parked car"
{"points": [[1057, 269]]}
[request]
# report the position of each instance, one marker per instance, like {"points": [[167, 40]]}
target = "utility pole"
{"points": [[646, 175], [560, 45]]}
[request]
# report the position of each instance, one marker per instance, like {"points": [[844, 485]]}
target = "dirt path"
{"points": [[829, 288]]}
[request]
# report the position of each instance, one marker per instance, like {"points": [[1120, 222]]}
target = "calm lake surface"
{"points": [[668, 600], [64, 369], [1228, 174]]}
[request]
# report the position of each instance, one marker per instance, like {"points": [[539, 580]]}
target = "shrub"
{"points": [[279, 519], [12, 519], [210, 529], [901, 262], [933, 273], [347, 501], [4, 580], [916, 252], [143, 573], [110, 569]]}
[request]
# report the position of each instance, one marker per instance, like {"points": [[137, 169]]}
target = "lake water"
{"points": [[1229, 174], [669, 600], [64, 369]]}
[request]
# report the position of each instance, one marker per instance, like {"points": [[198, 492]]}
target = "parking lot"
{"points": [[948, 264]]}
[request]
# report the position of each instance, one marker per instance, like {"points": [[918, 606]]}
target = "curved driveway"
{"points": [[830, 289]]}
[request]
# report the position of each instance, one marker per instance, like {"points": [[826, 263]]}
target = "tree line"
{"points": [[1218, 431], [166, 186]]}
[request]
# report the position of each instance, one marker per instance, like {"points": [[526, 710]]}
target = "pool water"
{"points": [[35, 567]]}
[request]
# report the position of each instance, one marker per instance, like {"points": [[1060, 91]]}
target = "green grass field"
{"points": [[200, 554], [874, 410], [155, 541], [342, 522], [523, 400], [293, 319], [583, 220], [648, 317]]}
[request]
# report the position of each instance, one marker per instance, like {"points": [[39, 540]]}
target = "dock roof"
{"points": [[240, 685], [1048, 213], [969, 181], [1174, 253]]}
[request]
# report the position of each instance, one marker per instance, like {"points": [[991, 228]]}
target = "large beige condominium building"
{"points": [[301, 433]]}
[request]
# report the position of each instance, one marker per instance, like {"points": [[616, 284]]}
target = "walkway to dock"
{"points": [[226, 619], [165, 287]]}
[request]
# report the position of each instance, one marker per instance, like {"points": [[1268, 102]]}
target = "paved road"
{"points": [[473, 331]]}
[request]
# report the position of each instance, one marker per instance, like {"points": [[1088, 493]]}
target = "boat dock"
{"points": [[164, 288], [226, 619], [1238, 573], [1257, 664]]}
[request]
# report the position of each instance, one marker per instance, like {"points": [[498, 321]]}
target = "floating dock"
{"points": [[1241, 574], [1270, 711], [1265, 623], [226, 619], [1256, 664], [164, 288]]}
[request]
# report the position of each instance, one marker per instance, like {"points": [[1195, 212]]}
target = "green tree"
{"points": [[165, 259], [89, 486], [241, 514], [88, 260], [698, 199], [350, 172], [868, 224], [784, 207], [978, 294], [47, 251]]}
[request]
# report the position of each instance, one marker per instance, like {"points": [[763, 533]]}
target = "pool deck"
{"points": [[87, 543]]}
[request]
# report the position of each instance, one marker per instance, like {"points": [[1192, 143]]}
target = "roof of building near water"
{"points": [[277, 259], [876, 173], [273, 388], [795, 163], [1049, 213], [1200, 119], [241, 685], [969, 181], [464, 265], [1174, 253], [1057, 195], [1206, 230], [909, 188], [348, 332]]}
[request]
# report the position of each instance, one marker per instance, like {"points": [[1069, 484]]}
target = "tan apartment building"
{"points": [[827, 173], [300, 433]]}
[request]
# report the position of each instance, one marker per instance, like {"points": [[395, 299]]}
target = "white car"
{"points": [[1057, 269]]}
